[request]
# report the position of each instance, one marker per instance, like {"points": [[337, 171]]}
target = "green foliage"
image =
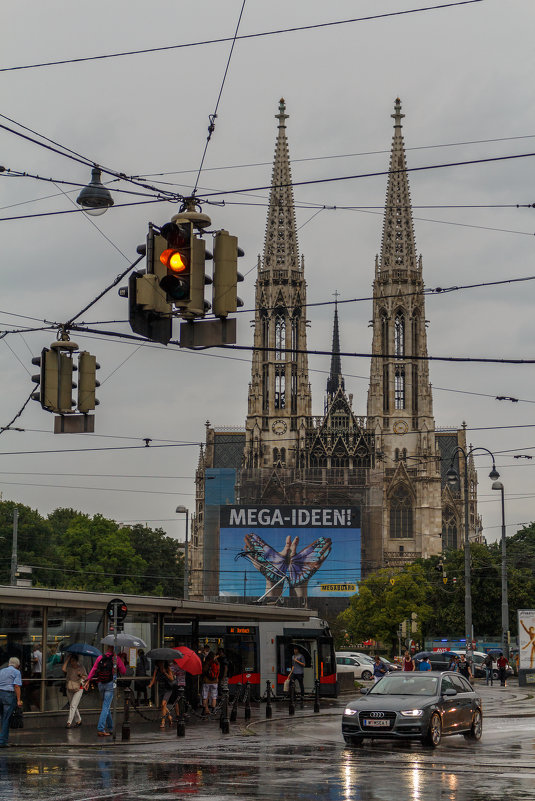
{"points": [[71, 550], [380, 607]]}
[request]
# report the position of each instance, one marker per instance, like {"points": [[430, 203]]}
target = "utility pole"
{"points": [[14, 547]]}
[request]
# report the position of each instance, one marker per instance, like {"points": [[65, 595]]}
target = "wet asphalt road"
{"points": [[288, 758]]}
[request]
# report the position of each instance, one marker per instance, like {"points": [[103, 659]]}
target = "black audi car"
{"points": [[416, 706]]}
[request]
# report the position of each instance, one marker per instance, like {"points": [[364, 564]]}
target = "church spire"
{"points": [[336, 379], [280, 246], [398, 250]]}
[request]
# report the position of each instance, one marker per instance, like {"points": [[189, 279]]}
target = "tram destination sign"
{"points": [[297, 551]]}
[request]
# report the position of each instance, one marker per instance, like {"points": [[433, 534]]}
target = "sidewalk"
{"points": [[198, 729]]}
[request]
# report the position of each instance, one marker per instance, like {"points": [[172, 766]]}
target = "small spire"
{"points": [[397, 116], [282, 116], [336, 379]]}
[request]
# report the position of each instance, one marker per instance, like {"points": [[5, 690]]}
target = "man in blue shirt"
{"points": [[10, 684], [424, 664]]}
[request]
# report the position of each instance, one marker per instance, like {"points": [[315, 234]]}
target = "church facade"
{"points": [[391, 462]]}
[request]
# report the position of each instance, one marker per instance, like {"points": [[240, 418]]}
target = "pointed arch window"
{"points": [[280, 334], [399, 388], [384, 332], [275, 455], [401, 514], [280, 386], [399, 335], [449, 529]]}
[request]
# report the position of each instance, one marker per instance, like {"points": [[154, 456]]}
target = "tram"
{"points": [[262, 651]]}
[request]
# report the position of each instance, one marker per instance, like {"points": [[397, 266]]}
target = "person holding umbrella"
{"points": [[76, 674]]}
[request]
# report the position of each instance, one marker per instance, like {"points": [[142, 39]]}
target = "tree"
{"points": [[165, 567], [385, 599]]}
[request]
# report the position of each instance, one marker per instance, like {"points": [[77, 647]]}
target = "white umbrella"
{"points": [[124, 640]]}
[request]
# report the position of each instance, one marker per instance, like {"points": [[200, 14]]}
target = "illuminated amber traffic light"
{"points": [[177, 260]]}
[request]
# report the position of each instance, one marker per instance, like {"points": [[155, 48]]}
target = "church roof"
{"points": [[280, 245], [336, 379]]}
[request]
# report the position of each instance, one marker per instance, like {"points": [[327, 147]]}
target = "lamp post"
{"points": [[182, 510], [452, 478], [94, 198], [505, 602]]}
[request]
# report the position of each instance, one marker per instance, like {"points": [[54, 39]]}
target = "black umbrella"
{"points": [[164, 654]]}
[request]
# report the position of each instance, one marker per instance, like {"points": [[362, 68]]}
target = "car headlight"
{"points": [[350, 711], [412, 713]]}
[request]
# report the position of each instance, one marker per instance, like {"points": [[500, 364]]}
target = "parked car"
{"points": [[357, 654], [361, 670], [390, 666], [440, 660], [414, 706], [478, 667]]}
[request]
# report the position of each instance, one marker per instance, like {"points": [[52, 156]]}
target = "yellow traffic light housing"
{"points": [[225, 300], [87, 382]]}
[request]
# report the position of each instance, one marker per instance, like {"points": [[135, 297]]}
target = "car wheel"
{"points": [[357, 741], [366, 675], [476, 729], [434, 733]]}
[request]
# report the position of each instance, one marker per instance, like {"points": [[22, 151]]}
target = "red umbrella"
{"points": [[189, 661]]}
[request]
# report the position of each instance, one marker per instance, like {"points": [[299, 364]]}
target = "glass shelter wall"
{"points": [[38, 636]]}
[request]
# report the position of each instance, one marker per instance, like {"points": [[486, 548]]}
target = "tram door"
{"points": [[309, 650]]}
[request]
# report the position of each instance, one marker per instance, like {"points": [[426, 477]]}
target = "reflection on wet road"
{"points": [[304, 759]]}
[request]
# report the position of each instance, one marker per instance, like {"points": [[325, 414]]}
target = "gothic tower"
{"points": [[279, 404], [400, 403]]}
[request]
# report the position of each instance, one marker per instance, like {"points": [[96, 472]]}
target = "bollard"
{"points": [[247, 711], [291, 703], [125, 731], [234, 710], [269, 710], [180, 722], [317, 695], [224, 721]]}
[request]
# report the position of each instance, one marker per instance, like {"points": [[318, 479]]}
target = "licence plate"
{"points": [[385, 724]]}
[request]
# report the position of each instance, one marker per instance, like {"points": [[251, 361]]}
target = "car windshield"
{"points": [[406, 684]]}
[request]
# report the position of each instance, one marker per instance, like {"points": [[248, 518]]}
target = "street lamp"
{"points": [[183, 511], [505, 603], [452, 477], [94, 198]]}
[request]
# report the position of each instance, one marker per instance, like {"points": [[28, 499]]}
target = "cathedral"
{"points": [[391, 462]]}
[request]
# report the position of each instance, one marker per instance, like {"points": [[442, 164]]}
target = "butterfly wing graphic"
{"points": [[265, 558], [305, 563]]}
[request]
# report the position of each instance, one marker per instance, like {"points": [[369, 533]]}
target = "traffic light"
{"points": [[87, 382], [55, 377], [184, 261], [149, 312], [226, 276], [414, 623]]}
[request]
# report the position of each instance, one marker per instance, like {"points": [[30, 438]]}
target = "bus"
{"points": [[258, 652]]}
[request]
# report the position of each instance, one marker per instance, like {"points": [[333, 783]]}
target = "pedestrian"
{"points": [[102, 673], [488, 669], [76, 675], [166, 686], [454, 663], [465, 669], [379, 669], [424, 664], [10, 684], [37, 662], [223, 669], [298, 670], [142, 670], [408, 662], [210, 675], [502, 664]]}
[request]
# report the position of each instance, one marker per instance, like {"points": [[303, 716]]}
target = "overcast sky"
{"points": [[464, 74]]}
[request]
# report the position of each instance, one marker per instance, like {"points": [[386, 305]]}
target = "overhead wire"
{"points": [[257, 35]]}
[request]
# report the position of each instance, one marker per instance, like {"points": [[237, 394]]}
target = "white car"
{"points": [[357, 654], [361, 670]]}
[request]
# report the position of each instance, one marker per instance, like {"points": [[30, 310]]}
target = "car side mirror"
{"points": [[364, 690], [449, 693]]}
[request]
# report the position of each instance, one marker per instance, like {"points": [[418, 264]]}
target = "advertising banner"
{"points": [[526, 638], [296, 551]]}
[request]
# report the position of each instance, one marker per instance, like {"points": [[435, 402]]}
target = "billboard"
{"points": [[526, 638], [296, 551]]}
